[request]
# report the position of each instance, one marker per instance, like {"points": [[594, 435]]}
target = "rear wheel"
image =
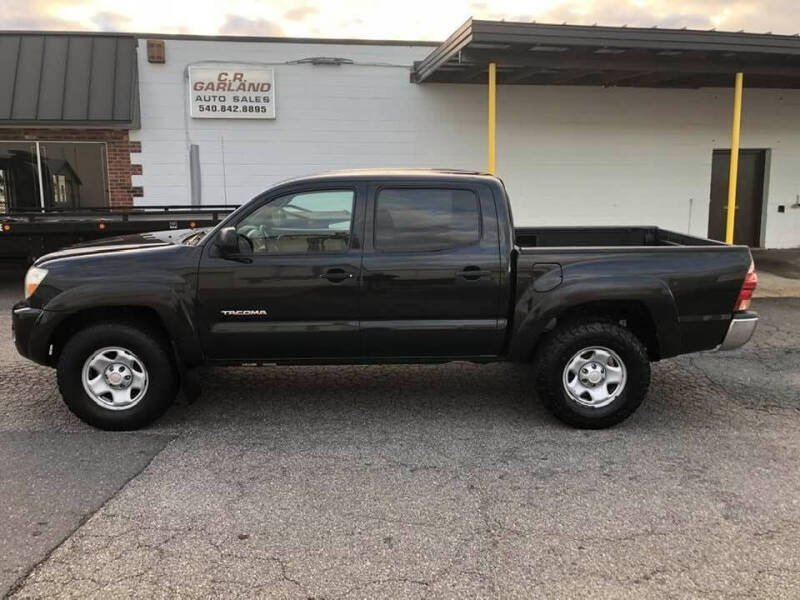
{"points": [[592, 374], [117, 376]]}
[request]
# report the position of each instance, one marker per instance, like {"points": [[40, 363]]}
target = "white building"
{"points": [[595, 125]]}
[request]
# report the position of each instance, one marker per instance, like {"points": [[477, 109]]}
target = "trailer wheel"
{"points": [[592, 374], [117, 376]]}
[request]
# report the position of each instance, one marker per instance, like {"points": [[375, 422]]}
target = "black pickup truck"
{"points": [[380, 267]]}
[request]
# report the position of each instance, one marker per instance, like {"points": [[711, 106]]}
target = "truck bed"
{"points": [[701, 278], [556, 237]]}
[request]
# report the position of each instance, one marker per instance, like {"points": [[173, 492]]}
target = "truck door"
{"points": [[431, 272], [293, 291]]}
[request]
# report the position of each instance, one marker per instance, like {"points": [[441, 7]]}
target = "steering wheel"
{"points": [[249, 243]]}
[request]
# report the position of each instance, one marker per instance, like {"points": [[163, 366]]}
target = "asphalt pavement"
{"points": [[443, 481], [51, 482]]}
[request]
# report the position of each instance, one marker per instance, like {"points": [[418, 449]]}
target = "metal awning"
{"points": [[67, 80], [532, 53]]}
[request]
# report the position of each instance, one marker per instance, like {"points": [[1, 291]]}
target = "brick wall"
{"points": [[118, 153]]}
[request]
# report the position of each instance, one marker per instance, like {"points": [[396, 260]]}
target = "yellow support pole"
{"points": [[492, 115], [733, 174]]}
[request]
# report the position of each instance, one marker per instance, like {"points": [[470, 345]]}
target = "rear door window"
{"points": [[426, 220]]}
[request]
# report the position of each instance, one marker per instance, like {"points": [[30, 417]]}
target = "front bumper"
{"points": [[741, 329], [23, 319]]}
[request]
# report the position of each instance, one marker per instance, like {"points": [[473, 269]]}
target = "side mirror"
{"points": [[228, 241]]}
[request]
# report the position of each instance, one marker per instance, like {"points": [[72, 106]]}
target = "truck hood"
{"points": [[133, 241]]}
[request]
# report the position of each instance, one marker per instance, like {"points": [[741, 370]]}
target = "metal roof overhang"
{"points": [[539, 54], [68, 80]]}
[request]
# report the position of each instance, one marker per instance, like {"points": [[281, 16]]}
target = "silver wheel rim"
{"points": [[594, 377], [115, 378]]}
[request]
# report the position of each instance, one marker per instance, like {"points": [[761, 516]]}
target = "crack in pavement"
{"points": [[68, 478]]}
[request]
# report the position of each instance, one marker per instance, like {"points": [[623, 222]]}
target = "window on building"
{"points": [[75, 174], [417, 220], [18, 162], [309, 222], [56, 174]]}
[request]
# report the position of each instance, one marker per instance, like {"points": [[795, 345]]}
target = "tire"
{"points": [[579, 352], [145, 374]]}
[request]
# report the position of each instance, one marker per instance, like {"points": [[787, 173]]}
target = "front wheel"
{"points": [[592, 374], [116, 376]]}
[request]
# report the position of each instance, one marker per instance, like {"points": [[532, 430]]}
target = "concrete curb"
{"points": [[775, 286]]}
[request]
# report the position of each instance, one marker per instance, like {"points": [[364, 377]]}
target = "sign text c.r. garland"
{"points": [[232, 92]]}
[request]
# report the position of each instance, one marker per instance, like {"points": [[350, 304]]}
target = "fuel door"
{"points": [[546, 276]]}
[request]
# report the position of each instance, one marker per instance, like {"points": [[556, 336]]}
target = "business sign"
{"points": [[231, 92]]}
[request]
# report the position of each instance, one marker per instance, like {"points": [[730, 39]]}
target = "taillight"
{"points": [[748, 287]]}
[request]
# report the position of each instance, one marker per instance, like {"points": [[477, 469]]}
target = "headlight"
{"points": [[33, 278]]}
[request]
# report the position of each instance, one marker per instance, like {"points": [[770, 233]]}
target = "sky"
{"points": [[386, 19]]}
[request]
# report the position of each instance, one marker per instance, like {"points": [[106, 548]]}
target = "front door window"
{"points": [[308, 222]]}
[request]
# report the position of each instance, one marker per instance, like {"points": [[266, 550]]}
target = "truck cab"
{"points": [[343, 269]]}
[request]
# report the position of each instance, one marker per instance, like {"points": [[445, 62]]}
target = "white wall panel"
{"points": [[568, 155]]}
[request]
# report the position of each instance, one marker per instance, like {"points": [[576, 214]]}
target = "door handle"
{"points": [[336, 275], [471, 273]]}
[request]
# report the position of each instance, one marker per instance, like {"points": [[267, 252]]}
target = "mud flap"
{"points": [[190, 385]]}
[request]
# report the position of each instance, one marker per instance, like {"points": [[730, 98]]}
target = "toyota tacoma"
{"points": [[380, 266]]}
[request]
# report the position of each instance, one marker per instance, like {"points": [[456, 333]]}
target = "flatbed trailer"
{"points": [[26, 234]]}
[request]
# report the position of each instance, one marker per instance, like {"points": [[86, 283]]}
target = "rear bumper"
{"points": [[741, 329]]}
